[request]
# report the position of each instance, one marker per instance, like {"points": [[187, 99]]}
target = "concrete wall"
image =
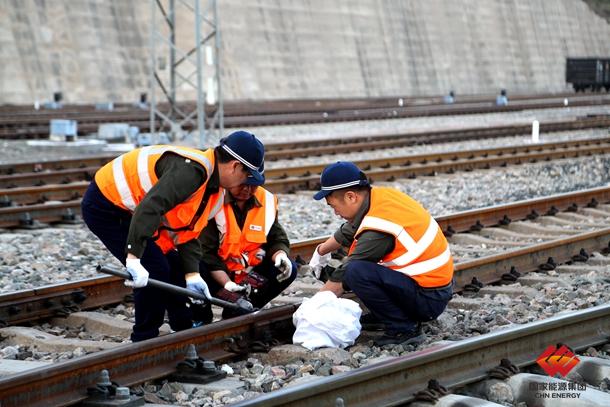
{"points": [[97, 50], [92, 50]]}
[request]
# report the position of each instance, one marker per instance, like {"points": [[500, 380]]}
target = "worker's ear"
{"points": [[350, 196], [236, 166]]}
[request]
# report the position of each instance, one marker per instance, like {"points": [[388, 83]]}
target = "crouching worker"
{"points": [[398, 261], [148, 207], [245, 251]]}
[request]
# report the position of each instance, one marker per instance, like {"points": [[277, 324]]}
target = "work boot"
{"points": [[370, 322], [414, 337]]}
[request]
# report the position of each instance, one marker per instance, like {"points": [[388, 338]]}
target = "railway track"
{"points": [[12, 127], [527, 243], [454, 366], [237, 108], [55, 196], [295, 149]]}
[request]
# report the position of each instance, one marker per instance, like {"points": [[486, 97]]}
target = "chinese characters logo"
{"points": [[554, 360]]}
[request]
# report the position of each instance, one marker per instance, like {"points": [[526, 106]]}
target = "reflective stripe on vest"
{"points": [[414, 249], [143, 168], [128, 178], [427, 265], [422, 254], [270, 211], [121, 184]]}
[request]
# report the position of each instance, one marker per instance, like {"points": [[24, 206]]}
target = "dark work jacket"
{"points": [[178, 179], [371, 246]]}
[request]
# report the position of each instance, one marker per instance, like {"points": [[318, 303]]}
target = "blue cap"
{"points": [[342, 174], [256, 181], [248, 150]]}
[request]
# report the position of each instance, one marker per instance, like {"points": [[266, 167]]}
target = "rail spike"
{"points": [[432, 393], [451, 231], [582, 256], [477, 226], [511, 276], [504, 370], [109, 394], [194, 369], [549, 265], [505, 220], [474, 286]]}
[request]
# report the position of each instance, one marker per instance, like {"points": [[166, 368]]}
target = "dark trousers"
{"points": [[111, 225], [272, 288], [394, 298]]}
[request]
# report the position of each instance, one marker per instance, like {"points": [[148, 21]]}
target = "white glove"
{"points": [[231, 286], [138, 273], [195, 283], [318, 261], [282, 263]]}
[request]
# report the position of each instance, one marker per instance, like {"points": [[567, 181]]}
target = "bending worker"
{"points": [[245, 250], [148, 207], [398, 261]]}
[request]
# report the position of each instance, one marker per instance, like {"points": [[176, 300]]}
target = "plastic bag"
{"points": [[326, 321]]}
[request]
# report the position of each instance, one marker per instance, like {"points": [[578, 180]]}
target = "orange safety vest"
{"points": [[127, 179], [420, 250], [242, 248]]}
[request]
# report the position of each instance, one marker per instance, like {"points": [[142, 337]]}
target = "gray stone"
{"points": [[285, 354]]}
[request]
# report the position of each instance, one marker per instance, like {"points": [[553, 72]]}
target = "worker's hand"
{"points": [[318, 262], [334, 287], [195, 283], [283, 264], [139, 275], [231, 286]]}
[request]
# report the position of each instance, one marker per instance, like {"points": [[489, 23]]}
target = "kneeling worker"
{"points": [[245, 248], [398, 262]]}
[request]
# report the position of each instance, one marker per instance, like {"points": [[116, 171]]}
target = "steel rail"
{"points": [[66, 382], [33, 215], [435, 157], [395, 381], [283, 150], [399, 112], [371, 113], [277, 151], [238, 108], [411, 169], [60, 299]]}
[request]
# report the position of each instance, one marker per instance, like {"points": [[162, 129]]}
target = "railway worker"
{"points": [[450, 98], [245, 248], [398, 263], [148, 207], [502, 99]]}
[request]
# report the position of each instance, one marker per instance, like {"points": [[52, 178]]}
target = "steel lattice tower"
{"points": [[185, 66]]}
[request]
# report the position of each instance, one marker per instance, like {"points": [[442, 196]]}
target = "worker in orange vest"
{"points": [[398, 263], [245, 251], [148, 207]]}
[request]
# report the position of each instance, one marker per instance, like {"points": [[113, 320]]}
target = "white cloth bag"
{"points": [[326, 321]]}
